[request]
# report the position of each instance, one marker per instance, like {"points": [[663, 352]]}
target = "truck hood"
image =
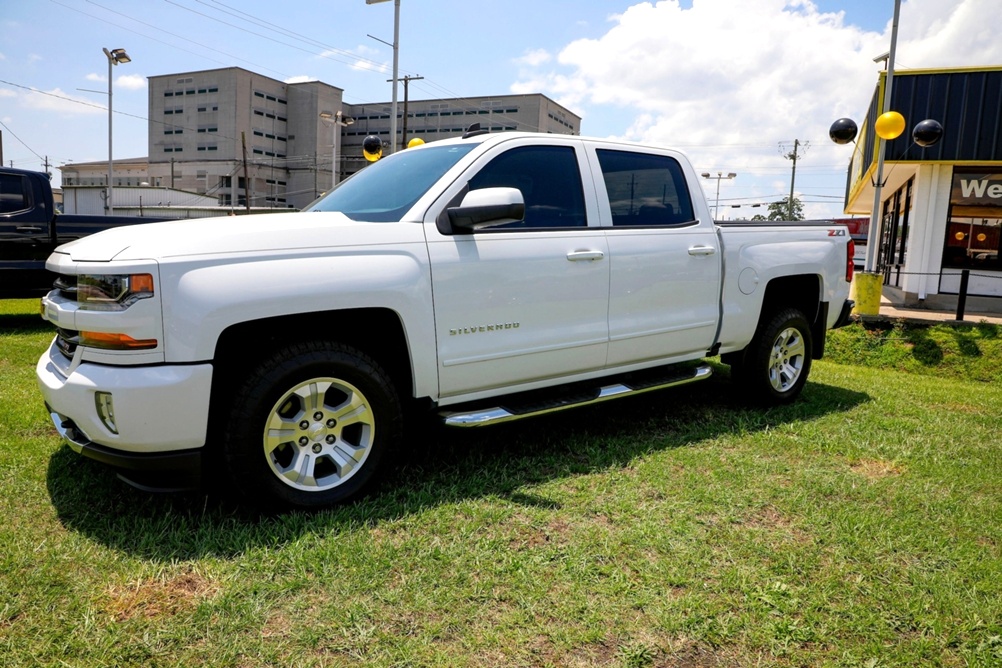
{"points": [[236, 234]]}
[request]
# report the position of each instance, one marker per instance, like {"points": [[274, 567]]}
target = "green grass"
{"points": [[859, 527], [965, 352]]}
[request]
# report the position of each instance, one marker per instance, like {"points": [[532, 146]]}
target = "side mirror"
{"points": [[487, 207]]}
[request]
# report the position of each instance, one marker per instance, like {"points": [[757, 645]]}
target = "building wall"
{"points": [[202, 122], [430, 120]]}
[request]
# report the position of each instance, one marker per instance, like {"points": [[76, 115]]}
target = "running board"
{"points": [[541, 402]]}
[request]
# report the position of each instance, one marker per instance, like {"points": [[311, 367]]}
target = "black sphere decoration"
{"points": [[843, 131], [927, 132], [372, 148]]}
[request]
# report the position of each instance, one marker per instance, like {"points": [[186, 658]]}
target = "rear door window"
{"points": [[645, 190]]}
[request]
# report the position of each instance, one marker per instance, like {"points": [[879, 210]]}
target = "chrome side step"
{"points": [[517, 407]]}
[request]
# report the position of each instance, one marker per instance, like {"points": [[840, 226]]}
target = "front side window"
{"points": [[549, 180], [12, 193], [644, 189]]}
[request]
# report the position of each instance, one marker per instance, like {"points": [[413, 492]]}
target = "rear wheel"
{"points": [[310, 427], [775, 365]]}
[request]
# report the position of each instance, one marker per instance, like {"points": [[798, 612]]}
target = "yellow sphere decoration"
{"points": [[890, 125], [417, 141]]}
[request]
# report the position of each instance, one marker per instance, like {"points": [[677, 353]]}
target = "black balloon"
{"points": [[372, 148], [927, 132], [843, 131]]}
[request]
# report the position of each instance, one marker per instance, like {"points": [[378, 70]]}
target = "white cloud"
{"points": [[96, 77], [131, 82], [370, 66], [59, 101], [728, 80], [362, 57], [6, 92], [2, 57], [535, 58], [34, 58], [301, 78]]}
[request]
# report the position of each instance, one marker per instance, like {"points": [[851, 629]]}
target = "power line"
{"points": [[167, 32], [20, 140]]}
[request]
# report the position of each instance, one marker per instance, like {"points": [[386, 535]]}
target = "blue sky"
{"points": [[730, 82]]}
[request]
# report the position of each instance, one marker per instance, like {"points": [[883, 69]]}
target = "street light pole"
{"points": [[719, 177], [337, 121], [873, 237], [396, 52], [115, 56]]}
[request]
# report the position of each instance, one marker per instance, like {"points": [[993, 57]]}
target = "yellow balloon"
{"points": [[417, 141], [890, 125]]}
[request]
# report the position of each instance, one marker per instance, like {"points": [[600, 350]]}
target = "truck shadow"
{"points": [[448, 466], [20, 323]]}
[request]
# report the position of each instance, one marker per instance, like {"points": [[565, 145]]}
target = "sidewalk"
{"points": [[890, 311]]}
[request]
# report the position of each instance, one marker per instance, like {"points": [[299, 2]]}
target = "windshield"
{"points": [[384, 190]]}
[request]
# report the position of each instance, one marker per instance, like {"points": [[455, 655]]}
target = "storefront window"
{"points": [[973, 231]]}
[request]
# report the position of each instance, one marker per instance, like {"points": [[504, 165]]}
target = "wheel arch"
{"points": [[377, 332], [804, 293]]}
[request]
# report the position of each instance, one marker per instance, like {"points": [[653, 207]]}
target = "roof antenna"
{"points": [[474, 130]]}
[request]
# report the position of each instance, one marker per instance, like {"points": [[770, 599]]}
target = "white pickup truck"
{"points": [[486, 278]]}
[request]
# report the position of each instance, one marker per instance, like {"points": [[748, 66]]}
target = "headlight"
{"points": [[112, 292]]}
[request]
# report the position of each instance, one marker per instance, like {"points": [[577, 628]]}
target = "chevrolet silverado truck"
{"points": [[31, 228], [485, 278]]}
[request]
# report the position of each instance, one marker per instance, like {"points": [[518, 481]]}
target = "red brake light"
{"points": [[850, 268]]}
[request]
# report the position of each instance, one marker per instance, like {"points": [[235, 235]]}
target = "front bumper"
{"points": [[160, 414]]}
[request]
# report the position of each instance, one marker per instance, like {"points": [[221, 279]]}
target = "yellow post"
{"points": [[865, 291]]}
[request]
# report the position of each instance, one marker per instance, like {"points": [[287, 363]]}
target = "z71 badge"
{"points": [[836, 233]]}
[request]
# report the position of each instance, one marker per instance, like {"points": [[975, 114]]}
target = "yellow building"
{"points": [[941, 210]]}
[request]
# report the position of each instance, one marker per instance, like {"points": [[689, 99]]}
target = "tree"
{"points": [[781, 211]]}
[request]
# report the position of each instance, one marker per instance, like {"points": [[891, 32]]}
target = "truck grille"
{"points": [[67, 341]]}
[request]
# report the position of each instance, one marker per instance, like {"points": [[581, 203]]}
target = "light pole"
{"points": [[719, 177], [336, 121], [396, 51], [115, 56]]}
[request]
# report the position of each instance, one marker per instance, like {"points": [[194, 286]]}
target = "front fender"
{"points": [[203, 299]]}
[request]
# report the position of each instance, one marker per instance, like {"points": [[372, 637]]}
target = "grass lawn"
{"points": [[861, 526]]}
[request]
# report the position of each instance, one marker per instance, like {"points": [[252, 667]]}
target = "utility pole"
{"points": [[246, 181], [46, 164], [407, 79], [1, 148], [794, 155], [172, 173]]}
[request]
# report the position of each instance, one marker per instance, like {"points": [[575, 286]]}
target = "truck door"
{"points": [[24, 238], [665, 272], [526, 301]]}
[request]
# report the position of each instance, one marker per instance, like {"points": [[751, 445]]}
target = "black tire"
{"points": [[774, 367], [310, 426]]}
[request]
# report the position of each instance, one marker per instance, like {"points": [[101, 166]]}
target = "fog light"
{"points": [[106, 410]]}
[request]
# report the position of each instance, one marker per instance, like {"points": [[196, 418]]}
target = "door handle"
{"points": [[702, 250], [28, 229], [585, 256]]}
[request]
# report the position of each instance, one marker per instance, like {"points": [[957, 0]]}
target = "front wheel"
{"points": [[310, 427], [775, 365]]}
